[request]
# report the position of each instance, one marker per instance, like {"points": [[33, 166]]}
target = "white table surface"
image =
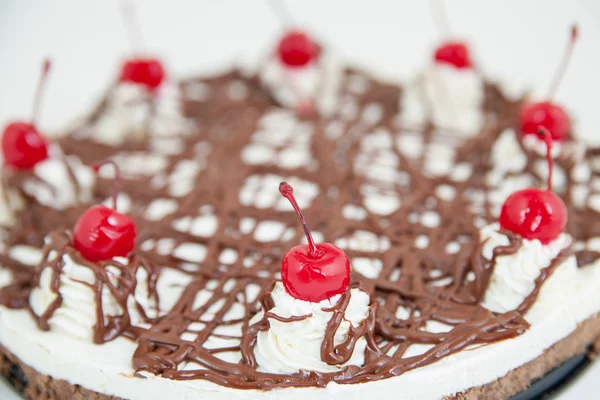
{"points": [[518, 40]]}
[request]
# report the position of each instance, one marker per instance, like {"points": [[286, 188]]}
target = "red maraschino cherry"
{"points": [[23, 146], [102, 233], [148, 72], [313, 272], [534, 213], [296, 49], [450, 52], [453, 53], [547, 114]]}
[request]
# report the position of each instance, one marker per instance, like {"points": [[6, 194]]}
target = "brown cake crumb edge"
{"points": [[37, 386], [585, 338]]}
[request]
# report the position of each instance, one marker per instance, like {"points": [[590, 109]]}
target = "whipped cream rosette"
{"points": [[519, 263], [450, 97], [131, 112], [310, 336], [313, 321], [302, 75]]}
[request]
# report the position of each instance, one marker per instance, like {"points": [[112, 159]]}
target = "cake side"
{"points": [[521, 378], [36, 386]]}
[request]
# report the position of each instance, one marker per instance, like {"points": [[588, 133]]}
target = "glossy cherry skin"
{"points": [[23, 146], [296, 49], [309, 278], [102, 233], [453, 53], [548, 115], [143, 71], [534, 214]]}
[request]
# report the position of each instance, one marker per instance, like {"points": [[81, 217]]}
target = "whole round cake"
{"points": [[299, 229]]}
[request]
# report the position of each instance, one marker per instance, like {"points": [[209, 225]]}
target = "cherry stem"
{"points": [[96, 167], [440, 17], [288, 192], [560, 72], [40, 90], [545, 135], [131, 25], [282, 11]]}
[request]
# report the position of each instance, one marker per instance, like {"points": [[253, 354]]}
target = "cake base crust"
{"points": [[586, 337], [36, 386]]}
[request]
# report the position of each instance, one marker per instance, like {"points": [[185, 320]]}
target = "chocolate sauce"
{"points": [[294, 318], [429, 284]]}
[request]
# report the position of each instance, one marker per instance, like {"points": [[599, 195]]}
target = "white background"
{"points": [[516, 40]]}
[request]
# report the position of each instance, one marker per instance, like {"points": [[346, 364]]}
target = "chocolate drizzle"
{"points": [[414, 284], [340, 354]]}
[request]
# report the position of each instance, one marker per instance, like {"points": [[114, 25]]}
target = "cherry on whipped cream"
{"points": [[296, 49], [313, 272], [147, 72], [23, 146], [453, 53], [450, 52], [102, 233], [144, 71], [548, 114], [534, 213]]}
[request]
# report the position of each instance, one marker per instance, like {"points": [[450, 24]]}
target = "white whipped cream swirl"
{"points": [[51, 184], [288, 347], [449, 96], [55, 187], [76, 315], [514, 275], [132, 112], [317, 82]]}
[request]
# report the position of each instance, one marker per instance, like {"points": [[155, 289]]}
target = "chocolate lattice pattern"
{"points": [[405, 203]]}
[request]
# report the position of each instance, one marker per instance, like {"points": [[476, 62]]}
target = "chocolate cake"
{"points": [[442, 301]]}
